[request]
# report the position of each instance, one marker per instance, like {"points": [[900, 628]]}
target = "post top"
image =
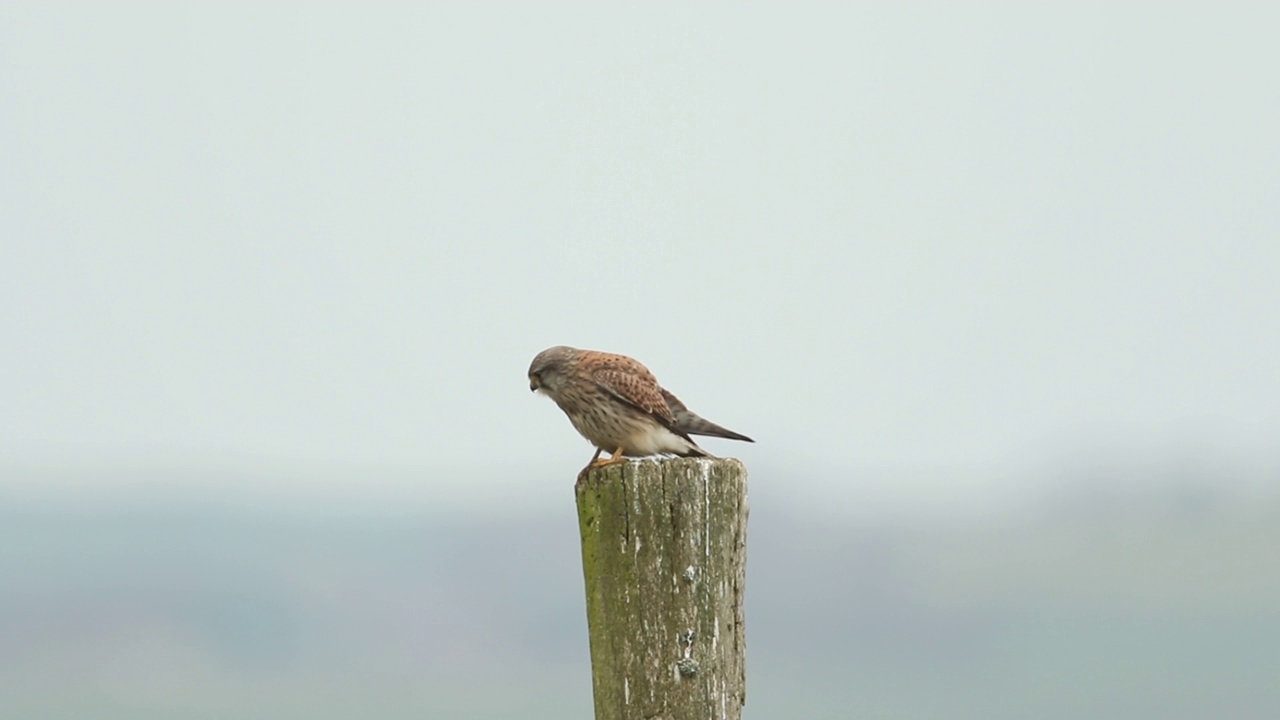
{"points": [[654, 470]]}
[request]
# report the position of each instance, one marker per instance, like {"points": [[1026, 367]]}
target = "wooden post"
{"points": [[664, 559]]}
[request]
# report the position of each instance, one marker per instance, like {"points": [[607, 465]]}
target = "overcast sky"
{"points": [[926, 238]]}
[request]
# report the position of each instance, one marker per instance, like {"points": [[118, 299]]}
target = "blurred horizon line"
{"points": [[505, 489]]}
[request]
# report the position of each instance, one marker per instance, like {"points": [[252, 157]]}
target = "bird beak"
{"points": [[533, 384]]}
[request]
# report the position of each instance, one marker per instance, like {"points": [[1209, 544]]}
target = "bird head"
{"points": [[548, 369]]}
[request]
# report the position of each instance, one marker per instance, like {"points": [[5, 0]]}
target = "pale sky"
{"points": [[949, 240]]}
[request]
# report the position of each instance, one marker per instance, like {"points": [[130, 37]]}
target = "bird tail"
{"points": [[690, 423]]}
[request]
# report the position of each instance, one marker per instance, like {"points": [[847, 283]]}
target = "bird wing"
{"points": [[632, 383]]}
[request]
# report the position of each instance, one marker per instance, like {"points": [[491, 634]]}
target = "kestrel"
{"points": [[617, 404]]}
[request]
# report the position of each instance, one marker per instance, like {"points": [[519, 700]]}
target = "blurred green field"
{"points": [[1148, 606]]}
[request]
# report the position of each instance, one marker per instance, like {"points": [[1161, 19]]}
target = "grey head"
{"points": [[549, 370]]}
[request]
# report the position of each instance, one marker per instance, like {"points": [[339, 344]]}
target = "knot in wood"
{"points": [[688, 667]]}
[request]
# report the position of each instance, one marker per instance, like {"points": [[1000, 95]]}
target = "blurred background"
{"points": [[993, 285]]}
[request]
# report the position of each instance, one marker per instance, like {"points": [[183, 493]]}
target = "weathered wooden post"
{"points": [[664, 559]]}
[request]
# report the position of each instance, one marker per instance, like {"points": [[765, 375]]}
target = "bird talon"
{"points": [[613, 459]]}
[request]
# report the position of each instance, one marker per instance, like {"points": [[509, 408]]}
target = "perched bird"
{"points": [[616, 403]]}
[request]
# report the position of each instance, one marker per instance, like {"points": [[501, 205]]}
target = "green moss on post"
{"points": [[664, 559]]}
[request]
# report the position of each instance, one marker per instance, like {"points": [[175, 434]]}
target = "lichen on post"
{"points": [[664, 560]]}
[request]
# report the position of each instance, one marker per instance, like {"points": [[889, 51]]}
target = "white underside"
{"points": [[656, 440]]}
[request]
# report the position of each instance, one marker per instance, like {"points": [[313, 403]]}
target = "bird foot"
{"points": [[614, 459]]}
